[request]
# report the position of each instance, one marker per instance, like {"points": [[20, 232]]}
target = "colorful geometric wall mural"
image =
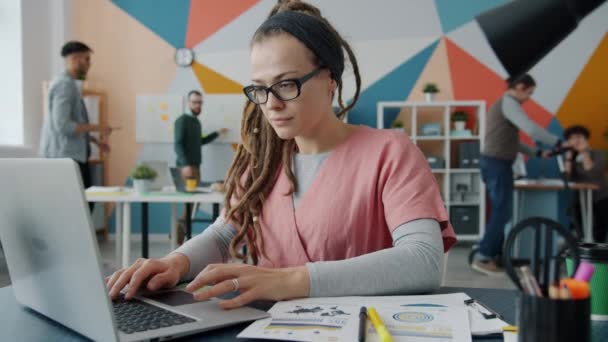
{"points": [[474, 73], [400, 46]]}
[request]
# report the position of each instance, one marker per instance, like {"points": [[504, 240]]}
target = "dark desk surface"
{"points": [[20, 324]]}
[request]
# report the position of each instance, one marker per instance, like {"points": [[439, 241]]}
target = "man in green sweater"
{"points": [[188, 140]]}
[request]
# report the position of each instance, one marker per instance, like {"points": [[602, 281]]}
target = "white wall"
{"points": [[43, 28], [11, 99]]}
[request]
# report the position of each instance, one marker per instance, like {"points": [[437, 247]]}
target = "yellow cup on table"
{"points": [[191, 184]]}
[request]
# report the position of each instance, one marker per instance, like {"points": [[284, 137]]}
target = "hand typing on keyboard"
{"points": [[253, 282], [151, 274]]}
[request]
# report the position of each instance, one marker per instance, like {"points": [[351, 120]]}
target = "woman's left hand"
{"points": [[253, 282]]}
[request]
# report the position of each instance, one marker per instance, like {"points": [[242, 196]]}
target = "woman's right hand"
{"points": [[154, 274]]}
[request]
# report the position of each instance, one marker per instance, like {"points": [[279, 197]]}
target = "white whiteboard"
{"points": [[155, 115], [223, 111]]}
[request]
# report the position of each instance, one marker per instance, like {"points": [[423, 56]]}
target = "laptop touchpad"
{"points": [[172, 298]]}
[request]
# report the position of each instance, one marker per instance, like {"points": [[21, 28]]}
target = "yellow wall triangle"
{"points": [[213, 82], [437, 71], [587, 103]]}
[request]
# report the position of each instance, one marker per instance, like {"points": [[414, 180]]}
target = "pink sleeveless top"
{"points": [[367, 187]]}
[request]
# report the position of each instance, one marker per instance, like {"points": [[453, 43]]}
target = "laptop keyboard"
{"points": [[136, 316]]}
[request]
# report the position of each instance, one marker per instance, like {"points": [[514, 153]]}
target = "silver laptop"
{"points": [[162, 170], [55, 266], [178, 181]]}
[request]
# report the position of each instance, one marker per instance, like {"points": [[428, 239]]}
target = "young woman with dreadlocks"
{"points": [[325, 208]]}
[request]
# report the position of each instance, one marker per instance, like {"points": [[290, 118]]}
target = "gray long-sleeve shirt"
{"points": [[504, 120], [66, 110], [412, 265]]}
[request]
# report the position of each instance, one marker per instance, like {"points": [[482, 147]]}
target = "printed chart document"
{"points": [[480, 326], [336, 319]]}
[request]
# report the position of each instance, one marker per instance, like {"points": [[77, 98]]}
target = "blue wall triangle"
{"points": [[454, 13], [168, 19], [395, 86]]}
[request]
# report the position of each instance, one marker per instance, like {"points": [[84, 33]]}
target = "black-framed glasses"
{"points": [[284, 90]]}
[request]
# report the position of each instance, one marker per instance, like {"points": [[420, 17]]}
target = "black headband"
{"points": [[314, 34]]}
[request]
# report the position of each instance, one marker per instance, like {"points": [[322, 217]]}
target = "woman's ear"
{"points": [[332, 87]]}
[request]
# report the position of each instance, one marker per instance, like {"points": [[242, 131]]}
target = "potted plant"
{"points": [[142, 176], [398, 125], [460, 118], [430, 89]]}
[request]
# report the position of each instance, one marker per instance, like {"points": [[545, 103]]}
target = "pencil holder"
{"points": [[556, 320]]}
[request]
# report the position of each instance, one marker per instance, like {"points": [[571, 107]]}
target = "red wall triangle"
{"points": [[472, 80], [209, 16]]}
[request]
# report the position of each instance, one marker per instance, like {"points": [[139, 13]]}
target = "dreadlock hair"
{"points": [[262, 153]]}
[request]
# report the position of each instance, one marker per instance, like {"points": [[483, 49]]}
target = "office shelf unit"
{"points": [[459, 178]]}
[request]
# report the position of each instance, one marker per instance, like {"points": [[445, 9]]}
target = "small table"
{"points": [[126, 196], [585, 191]]}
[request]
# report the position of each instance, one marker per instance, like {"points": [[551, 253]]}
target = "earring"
{"points": [[256, 130]]}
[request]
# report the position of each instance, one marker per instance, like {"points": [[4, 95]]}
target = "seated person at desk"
{"points": [[325, 208], [188, 142], [584, 165], [504, 120]]}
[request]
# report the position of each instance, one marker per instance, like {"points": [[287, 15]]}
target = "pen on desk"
{"points": [[510, 328], [362, 324], [381, 329]]}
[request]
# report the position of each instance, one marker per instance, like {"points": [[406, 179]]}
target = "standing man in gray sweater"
{"points": [[66, 128], [504, 121]]}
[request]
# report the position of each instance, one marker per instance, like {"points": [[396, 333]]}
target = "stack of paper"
{"points": [[408, 318], [98, 189], [106, 191]]}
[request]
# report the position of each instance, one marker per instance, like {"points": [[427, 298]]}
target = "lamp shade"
{"points": [[522, 32]]}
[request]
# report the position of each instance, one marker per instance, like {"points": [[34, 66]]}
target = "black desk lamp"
{"points": [[522, 32]]}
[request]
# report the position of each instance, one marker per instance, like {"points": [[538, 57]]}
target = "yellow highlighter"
{"points": [[385, 336]]}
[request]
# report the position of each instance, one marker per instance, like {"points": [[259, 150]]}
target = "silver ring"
{"points": [[235, 282]]}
